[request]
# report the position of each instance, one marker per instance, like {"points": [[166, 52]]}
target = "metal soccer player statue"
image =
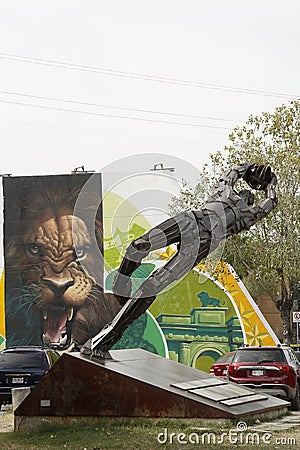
{"points": [[196, 233]]}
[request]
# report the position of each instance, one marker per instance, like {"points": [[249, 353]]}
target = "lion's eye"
{"points": [[80, 253], [34, 249]]}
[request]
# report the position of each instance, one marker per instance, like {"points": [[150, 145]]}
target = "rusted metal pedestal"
{"points": [[136, 383]]}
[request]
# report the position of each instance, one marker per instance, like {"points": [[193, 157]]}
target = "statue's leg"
{"points": [[178, 266], [167, 233]]}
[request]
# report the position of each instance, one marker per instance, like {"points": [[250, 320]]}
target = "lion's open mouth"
{"points": [[55, 320]]}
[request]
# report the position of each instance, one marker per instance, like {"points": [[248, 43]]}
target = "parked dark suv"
{"points": [[273, 370], [23, 367]]}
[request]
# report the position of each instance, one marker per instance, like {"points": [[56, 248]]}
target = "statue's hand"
{"points": [[259, 177]]}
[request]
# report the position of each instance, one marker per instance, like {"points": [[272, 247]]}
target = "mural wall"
{"points": [[53, 261], [64, 238]]}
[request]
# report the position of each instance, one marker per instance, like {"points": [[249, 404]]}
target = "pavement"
{"points": [[292, 420]]}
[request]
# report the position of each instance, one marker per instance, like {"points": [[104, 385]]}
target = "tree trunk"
{"points": [[286, 305]]}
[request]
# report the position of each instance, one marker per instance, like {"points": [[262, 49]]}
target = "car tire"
{"points": [[295, 402]]}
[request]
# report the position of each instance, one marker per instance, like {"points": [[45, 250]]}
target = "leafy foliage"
{"points": [[193, 197], [268, 255]]}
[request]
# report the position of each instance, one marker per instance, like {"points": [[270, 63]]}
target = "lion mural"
{"points": [[53, 263]]}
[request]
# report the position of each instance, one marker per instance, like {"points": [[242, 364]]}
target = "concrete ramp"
{"points": [[136, 383]]}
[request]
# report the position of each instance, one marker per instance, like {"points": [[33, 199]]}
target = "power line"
{"points": [[135, 136], [76, 111], [141, 76], [149, 111]]}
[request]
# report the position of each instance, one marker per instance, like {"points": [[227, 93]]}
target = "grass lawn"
{"points": [[144, 434]]}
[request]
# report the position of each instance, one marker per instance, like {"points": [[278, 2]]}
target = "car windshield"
{"points": [[225, 358], [260, 355], [21, 360]]}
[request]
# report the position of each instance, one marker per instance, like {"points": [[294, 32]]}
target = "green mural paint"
{"points": [[143, 333], [122, 223], [137, 278]]}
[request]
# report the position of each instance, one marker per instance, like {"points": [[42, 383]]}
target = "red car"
{"points": [[219, 368], [272, 370]]}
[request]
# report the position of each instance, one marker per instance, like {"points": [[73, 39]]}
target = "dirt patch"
{"points": [[6, 419]]}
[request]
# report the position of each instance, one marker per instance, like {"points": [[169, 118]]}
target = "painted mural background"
{"points": [[58, 286]]}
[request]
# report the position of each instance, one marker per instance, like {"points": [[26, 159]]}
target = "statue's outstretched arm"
{"points": [[232, 175]]}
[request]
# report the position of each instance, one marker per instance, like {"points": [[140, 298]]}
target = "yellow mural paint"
{"points": [[256, 329]]}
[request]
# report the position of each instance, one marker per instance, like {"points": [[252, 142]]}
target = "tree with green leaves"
{"points": [[267, 256]]}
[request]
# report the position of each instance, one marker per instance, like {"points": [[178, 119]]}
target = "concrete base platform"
{"points": [[19, 395], [136, 383]]}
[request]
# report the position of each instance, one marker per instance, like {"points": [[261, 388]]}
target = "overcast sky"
{"points": [[126, 56]]}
